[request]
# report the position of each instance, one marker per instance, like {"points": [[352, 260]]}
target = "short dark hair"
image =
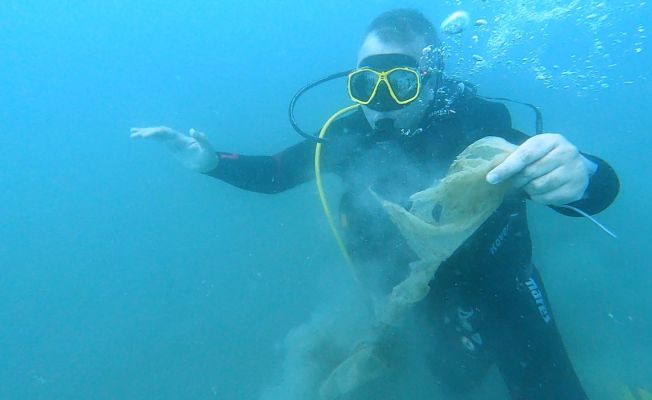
{"points": [[403, 25]]}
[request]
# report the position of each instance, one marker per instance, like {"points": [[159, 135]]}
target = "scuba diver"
{"points": [[487, 304]]}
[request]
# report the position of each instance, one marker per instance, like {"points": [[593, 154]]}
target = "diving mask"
{"points": [[385, 82]]}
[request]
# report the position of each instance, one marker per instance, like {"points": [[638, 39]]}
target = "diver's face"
{"points": [[408, 116]]}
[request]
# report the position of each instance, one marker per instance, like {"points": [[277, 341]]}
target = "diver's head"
{"points": [[397, 83]]}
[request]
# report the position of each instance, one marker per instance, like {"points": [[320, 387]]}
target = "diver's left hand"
{"points": [[548, 167]]}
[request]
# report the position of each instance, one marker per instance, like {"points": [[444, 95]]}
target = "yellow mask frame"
{"points": [[382, 76]]}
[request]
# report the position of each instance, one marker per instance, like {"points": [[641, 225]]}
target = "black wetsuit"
{"points": [[487, 303]]}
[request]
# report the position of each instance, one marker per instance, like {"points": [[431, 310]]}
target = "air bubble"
{"points": [[455, 23]]}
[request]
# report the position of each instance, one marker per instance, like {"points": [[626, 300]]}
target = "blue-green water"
{"points": [[124, 276]]}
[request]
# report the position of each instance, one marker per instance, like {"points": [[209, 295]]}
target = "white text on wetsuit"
{"points": [[538, 298]]}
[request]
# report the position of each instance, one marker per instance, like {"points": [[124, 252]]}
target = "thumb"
{"points": [[201, 138]]}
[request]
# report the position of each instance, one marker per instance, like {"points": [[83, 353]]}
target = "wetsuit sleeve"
{"points": [[294, 165], [267, 174], [602, 191]]}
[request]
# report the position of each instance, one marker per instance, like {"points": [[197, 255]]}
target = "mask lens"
{"points": [[362, 84], [405, 84]]}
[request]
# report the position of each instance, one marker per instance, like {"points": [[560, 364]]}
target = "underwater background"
{"points": [[125, 276]]}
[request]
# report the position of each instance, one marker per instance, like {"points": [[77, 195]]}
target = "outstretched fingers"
{"points": [[529, 152], [201, 138], [158, 132]]}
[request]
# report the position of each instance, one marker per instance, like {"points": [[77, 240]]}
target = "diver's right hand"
{"points": [[193, 150]]}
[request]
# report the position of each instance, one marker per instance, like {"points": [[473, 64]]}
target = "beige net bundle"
{"points": [[440, 220]]}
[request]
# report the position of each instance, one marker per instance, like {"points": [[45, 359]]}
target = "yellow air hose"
{"points": [[320, 188]]}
